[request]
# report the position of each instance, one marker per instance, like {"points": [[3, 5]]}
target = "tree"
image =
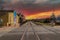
{"points": [[21, 18], [53, 19], [47, 20]]}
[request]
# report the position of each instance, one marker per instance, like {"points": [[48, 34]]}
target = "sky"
{"points": [[33, 9]]}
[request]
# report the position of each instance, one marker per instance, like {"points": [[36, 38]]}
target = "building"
{"points": [[8, 18]]}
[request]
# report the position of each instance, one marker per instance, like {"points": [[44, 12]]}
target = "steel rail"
{"points": [[49, 29], [35, 32], [24, 33]]}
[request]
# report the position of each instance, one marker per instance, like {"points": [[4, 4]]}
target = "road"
{"points": [[31, 31]]}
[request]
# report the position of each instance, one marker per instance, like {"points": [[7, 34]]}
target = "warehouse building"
{"points": [[8, 18]]}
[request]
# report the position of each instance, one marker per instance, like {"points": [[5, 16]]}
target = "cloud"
{"points": [[25, 1], [32, 1], [41, 1], [31, 5], [54, 1], [16, 1], [11, 1]]}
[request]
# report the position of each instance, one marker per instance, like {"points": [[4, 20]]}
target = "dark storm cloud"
{"points": [[28, 3], [13, 2], [32, 6], [54, 1]]}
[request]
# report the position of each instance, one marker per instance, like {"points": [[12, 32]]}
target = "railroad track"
{"points": [[23, 35], [35, 35], [53, 30]]}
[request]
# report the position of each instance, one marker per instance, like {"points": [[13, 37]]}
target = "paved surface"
{"points": [[5, 30], [43, 32]]}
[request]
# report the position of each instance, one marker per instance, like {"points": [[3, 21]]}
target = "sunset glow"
{"points": [[43, 15]]}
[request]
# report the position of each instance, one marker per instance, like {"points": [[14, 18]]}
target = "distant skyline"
{"points": [[34, 8]]}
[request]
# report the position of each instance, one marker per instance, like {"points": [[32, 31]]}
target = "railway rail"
{"points": [[53, 29], [36, 37]]}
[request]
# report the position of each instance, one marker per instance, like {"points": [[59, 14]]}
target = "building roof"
{"points": [[6, 10], [3, 12]]}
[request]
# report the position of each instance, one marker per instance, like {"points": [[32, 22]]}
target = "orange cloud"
{"points": [[43, 15], [57, 12]]}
